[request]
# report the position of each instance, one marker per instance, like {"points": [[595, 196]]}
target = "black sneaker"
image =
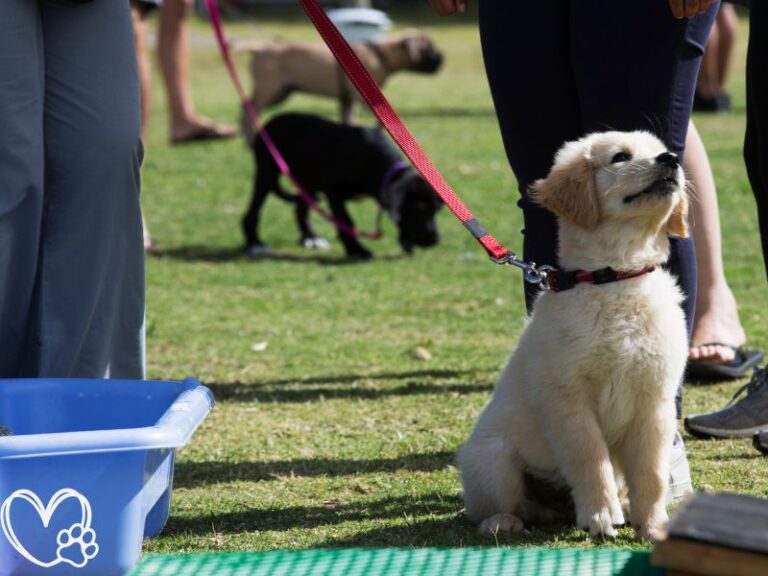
{"points": [[741, 419], [760, 441]]}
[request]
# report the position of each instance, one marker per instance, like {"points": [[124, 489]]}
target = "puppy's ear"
{"points": [[677, 225], [570, 192]]}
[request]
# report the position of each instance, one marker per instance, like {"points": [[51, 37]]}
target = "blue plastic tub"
{"points": [[88, 472]]}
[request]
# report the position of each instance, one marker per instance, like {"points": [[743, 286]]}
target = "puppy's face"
{"points": [[413, 208], [617, 178], [422, 53]]}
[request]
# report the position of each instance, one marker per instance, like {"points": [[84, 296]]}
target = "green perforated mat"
{"points": [[405, 562]]}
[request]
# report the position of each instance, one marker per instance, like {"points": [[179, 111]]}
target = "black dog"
{"points": [[343, 162]]}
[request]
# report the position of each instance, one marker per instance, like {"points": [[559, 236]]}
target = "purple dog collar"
{"points": [[389, 175]]}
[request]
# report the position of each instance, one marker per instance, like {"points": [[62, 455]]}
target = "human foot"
{"points": [[741, 363], [198, 129], [745, 414], [717, 329], [149, 243], [717, 352]]}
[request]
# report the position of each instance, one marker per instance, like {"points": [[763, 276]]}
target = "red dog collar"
{"points": [[560, 280]]}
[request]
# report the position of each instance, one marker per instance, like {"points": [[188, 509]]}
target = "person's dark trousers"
{"points": [[756, 138], [561, 69]]}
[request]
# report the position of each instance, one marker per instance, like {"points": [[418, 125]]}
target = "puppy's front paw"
{"points": [[599, 523], [649, 533], [653, 528], [617, 514], [500, 523]]}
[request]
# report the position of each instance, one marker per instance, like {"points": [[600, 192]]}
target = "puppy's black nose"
{"points": [[668, 159]]}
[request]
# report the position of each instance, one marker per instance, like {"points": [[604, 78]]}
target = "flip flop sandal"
{"points": [[204, 134], [743, 361]]}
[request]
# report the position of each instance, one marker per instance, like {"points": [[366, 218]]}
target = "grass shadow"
{"points": [[193, 474], [458, 531], [325, 514], [254, 393], [424, 520], [350, 378], [730, 457], [286, 391]]}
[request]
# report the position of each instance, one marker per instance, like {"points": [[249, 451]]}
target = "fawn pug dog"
{"points": [[586, 402], [278, 69]]}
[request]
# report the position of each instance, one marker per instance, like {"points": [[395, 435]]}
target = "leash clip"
{"points": [[532, 274]]}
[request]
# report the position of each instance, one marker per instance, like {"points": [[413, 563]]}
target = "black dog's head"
{"points": [[412, 206], [423, 56]]}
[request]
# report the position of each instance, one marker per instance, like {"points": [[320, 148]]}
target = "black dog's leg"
{"points": [[265, 180], [309, 238], [302, 220], [353, 248]]}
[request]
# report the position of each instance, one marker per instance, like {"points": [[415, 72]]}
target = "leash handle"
{"points": [[383, 110], [218, 27]]}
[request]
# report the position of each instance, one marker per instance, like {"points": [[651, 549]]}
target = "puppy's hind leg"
{"points": [[309, 238], [265, 180], [352, 247], [493, 484]]}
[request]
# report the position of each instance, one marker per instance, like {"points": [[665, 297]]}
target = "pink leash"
{"points": [[218, 27]]}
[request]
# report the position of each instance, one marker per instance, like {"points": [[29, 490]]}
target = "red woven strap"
{"points": [[383, 110]]}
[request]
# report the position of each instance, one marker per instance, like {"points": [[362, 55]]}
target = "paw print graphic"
{"points": [[77, 545]]}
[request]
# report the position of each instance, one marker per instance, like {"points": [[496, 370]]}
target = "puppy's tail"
{"points": [[287, 196], [268, 174]]}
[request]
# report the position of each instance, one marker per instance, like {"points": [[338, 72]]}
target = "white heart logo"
{"points": [[79, 536]]}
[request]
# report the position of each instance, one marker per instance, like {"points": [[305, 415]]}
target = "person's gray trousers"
{"points": [[71, 253]]}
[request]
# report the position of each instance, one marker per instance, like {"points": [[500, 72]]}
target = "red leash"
{"points": [[218, 27], [383, 110], [547, 277]]}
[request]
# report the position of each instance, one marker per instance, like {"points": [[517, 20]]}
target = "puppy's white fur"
{"points": [[587, 399]]}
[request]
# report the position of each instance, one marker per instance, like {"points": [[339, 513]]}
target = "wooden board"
{"points": [[716, 535]]}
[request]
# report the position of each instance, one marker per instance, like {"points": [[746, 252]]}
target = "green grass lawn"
{"points": [[335, 434]]}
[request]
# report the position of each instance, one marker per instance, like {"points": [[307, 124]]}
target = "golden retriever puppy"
{"points": [[586, 402]]}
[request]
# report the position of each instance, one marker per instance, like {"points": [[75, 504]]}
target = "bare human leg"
{"points": [[717, 315], [174, 57], [145, 86]]}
